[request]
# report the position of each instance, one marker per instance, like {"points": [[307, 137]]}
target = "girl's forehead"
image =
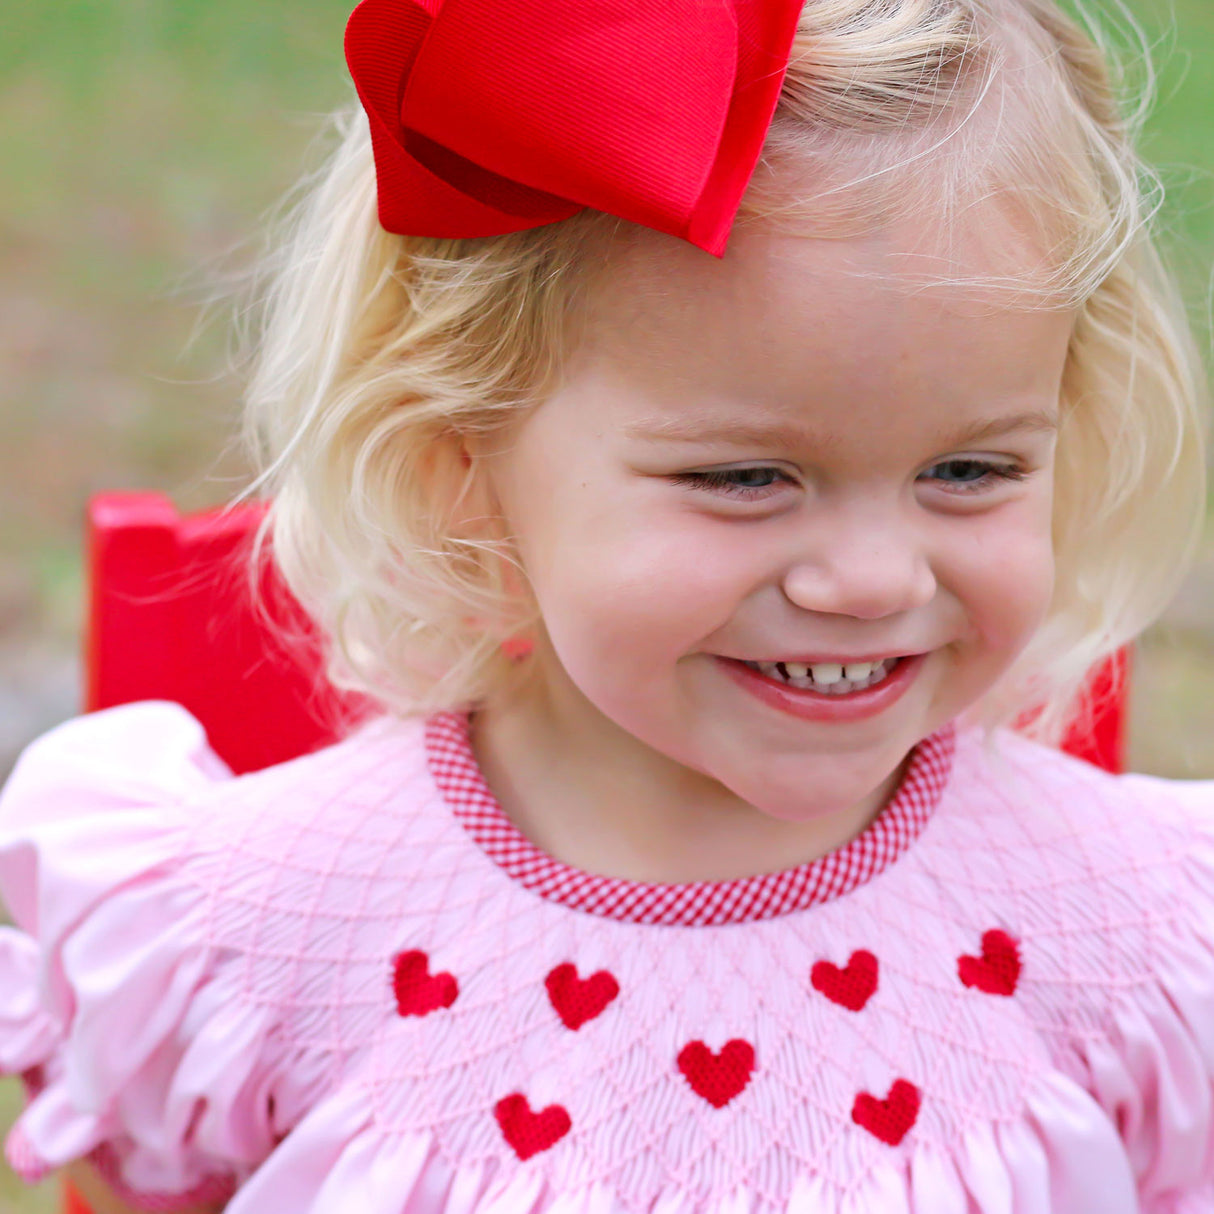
{"points": [[851, 317], [646, 275]]}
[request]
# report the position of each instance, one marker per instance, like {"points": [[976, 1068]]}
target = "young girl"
{"points": [[697, 426]]}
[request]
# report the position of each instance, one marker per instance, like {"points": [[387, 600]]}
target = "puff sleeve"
{"points": [[112, 1004], [1153, 1072]]}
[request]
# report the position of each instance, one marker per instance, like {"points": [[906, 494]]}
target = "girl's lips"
{"points": [[812, 705]]}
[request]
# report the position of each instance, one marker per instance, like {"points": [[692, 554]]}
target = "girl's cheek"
{"points": [[649, 588], [1011, 583]]}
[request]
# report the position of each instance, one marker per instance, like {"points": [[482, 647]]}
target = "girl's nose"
{"points": [[866, 573]]}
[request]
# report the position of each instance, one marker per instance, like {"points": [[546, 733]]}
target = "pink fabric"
{"points": [[215, 983]]}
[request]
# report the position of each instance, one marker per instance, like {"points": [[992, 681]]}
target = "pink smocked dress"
{"points": [[348, 983]]}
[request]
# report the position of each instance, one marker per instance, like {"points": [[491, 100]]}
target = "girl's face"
{"points": [[785, 457]]}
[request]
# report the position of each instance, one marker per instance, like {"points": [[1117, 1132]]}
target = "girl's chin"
{"points": [[830, 800], [805, 784]]}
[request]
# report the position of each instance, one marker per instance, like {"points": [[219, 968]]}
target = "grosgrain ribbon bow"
{"points": [[490, 117]]}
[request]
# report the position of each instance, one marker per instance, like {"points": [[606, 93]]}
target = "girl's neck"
{"points": [[591, 796]]}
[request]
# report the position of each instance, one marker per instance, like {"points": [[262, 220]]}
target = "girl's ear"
{"points": [[475, 510], [477, 515]]}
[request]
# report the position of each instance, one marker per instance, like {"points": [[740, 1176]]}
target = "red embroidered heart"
{"points": [[527, 1132], [851, 987], [891, 1118], [997, 971], [577, 1000], [419, 992], [717, 1077]]}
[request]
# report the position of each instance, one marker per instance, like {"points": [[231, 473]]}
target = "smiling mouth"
{"points": [[828, 678]]}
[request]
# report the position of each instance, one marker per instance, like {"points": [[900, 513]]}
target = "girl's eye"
{"points": [[967, 475], [733, 482], [954, 475]]}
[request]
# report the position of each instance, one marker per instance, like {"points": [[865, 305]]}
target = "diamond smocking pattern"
{"points": [[415, 966]]}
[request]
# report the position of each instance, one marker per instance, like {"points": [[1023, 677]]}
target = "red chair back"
{"points": [[172, 617], [1100, 736]]}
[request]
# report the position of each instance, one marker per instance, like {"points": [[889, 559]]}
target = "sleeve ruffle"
{"points": [[1153, 1072], [112, 1007]]}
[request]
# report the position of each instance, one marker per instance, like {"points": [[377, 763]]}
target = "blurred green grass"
{"points": [[141, 141], [1178, 140], [15, 1196]]}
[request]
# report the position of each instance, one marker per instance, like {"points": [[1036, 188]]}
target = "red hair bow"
{"points": [[490, 117]]}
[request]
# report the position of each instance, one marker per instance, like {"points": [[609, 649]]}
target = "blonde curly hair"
{"points": [[380, 354]]}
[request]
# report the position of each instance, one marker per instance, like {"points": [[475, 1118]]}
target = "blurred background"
{"points": [[143, 142]]}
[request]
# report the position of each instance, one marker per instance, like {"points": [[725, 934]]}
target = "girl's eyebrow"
{"points": [[758, 432]]}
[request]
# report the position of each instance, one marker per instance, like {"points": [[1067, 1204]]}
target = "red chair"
{"points": [[172, 617]]}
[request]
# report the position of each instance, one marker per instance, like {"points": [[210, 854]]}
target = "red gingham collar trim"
{"points": [[696, 904]]}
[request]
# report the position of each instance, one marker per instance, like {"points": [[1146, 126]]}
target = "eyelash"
{"points": [[991, 472], [719, 480]]}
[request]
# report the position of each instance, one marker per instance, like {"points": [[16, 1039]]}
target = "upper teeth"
{"points": [[835, 675], [830, 672]]}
